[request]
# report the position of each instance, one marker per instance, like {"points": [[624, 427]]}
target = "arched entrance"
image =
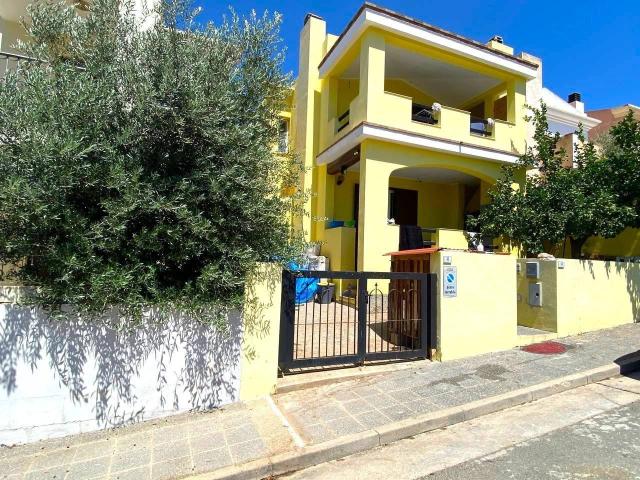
{"points": [[435, 202]]}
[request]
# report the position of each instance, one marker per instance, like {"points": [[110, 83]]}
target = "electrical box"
{"points": [[535, 294], [533, 269]]}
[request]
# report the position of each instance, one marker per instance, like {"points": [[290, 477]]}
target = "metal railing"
{"points": [[423, 114], [343, 121], [12, 62], [479, 126]]}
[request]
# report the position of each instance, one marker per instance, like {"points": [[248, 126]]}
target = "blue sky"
{"points": [[588, 46]]}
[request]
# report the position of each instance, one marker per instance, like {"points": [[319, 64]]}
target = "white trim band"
{"points": [[374, 132]]}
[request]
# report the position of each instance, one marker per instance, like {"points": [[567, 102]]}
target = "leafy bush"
{"points": [[136, 164]]}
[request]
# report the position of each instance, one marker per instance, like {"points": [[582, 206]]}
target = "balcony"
{"points": [[401, 112], [412, 93]]}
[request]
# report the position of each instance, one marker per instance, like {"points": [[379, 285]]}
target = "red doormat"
{"points": [[546, 348]]}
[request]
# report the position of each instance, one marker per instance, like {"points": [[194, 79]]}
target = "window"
{"points": [[283, 136]]}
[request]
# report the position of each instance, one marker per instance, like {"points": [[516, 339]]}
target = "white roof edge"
{"points": [[572, 118], [385, 22], [564, 112], [376, 132]]}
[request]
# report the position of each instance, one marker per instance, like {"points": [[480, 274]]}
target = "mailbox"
{"points": [[535, 294], [533, 269]]}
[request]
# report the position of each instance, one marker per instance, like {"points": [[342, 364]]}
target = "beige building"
{"points": [[610, 116], [12, 14]]}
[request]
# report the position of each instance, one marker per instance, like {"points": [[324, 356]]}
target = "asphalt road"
{"points": [[606, 446]]}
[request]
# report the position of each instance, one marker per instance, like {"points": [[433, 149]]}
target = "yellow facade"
{"points": [[260, 333], [366, 84], [627, 244]]}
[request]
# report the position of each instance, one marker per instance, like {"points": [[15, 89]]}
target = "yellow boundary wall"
{"points": [[261, 330], [581, 296], [482, 317]]}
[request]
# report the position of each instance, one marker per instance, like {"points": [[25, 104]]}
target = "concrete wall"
{"points": [[583, 296], [261, 333], [10, 33], [627, 244], [482, 317], [65, 377]]}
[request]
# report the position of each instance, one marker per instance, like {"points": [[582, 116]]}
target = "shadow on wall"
{"points": [[632, 274], [95, 375]]}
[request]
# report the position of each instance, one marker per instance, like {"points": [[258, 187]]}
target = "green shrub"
{"points": [[136, 164]]}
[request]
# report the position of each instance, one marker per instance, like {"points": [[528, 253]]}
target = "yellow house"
{"points": [[400, 122]]}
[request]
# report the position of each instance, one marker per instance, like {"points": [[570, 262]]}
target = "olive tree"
{"points": [[136, 164]]}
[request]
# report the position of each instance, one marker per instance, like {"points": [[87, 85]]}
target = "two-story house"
{"points": [[398, 123], [403, 123]]}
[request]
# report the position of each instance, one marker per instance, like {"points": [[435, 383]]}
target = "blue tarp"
{"points": [[306, 288]]}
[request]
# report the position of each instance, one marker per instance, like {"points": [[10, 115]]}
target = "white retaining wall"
{"points": [[59, 377]]}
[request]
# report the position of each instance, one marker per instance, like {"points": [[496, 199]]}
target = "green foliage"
{"points": [[136, 164], [623, 163], [598, 196]]}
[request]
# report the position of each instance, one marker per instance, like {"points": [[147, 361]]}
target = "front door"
{"points": [[403, 206]]}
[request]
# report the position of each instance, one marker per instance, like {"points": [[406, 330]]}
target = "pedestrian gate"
{"points": [[342, 318]]}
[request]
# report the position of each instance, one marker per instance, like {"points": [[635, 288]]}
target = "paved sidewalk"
{"points": [[159, 449], [186, 445], [330, 411]]}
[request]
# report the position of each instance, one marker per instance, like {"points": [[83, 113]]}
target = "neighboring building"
{"points": [[12, 12], [610, 116], [400, 122]]}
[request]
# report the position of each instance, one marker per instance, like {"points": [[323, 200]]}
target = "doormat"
{"points": [[546, 348]]}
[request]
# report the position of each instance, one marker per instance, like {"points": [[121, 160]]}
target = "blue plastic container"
{"points": [[335, 223]]}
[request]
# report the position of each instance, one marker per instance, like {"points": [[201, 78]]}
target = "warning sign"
{"points": [[450, 281]]}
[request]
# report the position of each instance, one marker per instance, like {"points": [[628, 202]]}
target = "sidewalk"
{"points": [[332, 420]]}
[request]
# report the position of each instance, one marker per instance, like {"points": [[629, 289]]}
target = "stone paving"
{"points": [[161, 449], [326, 412], [185, 445], [331, 329]]}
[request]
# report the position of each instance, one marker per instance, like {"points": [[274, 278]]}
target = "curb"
{"points": [[304, 381], [359, 442]]}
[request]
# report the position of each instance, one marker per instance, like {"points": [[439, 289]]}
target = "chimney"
{"points": [[497, 43], [309, 16], [575, 100]]}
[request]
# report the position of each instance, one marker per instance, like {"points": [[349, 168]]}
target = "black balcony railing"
{"points": [[343, 121], [479, 126], [423, 114]]}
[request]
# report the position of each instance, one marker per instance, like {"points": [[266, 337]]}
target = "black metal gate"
{"points": [[340, 318]]}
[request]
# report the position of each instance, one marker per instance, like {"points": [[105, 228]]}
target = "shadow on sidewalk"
{"points": [[629, 365]]}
